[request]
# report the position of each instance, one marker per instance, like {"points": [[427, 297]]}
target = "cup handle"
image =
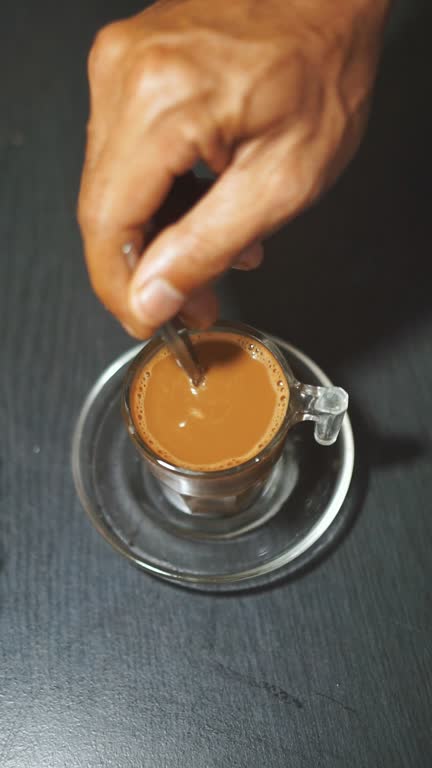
{"points": [[326, 406]]}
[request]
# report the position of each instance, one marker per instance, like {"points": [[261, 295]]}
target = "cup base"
{"points": [[281, 530], [170, 510]]}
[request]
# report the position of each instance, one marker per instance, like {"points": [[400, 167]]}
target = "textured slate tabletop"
{"points": [[101, 665]]}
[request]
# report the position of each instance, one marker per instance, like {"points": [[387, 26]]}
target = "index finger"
{"points": [[117, 199]]}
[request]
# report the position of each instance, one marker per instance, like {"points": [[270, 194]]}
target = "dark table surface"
{"points": [[101, 665]]}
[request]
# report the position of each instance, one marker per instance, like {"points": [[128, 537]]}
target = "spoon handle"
{"points": [[180, 345]]}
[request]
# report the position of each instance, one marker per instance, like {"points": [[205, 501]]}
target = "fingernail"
{"points": [[242, 266], [156, 302], [249, 259]]}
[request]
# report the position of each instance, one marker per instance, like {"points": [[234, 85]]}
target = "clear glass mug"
{"points": [[230, 492]]}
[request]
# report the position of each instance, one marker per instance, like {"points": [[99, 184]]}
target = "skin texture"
{"points": [[273, 96]]}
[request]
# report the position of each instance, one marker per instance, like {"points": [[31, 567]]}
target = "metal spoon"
{"points": [[180, 345]]}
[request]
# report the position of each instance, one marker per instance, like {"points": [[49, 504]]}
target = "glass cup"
{"points": [[220, 500]]}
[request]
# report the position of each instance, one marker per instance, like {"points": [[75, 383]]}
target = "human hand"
{"points": [[272, 96]]}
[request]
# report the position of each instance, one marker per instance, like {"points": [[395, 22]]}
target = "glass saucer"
{"points": [[297, 512]]}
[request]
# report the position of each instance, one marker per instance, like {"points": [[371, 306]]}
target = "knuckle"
{"points": [[189, 131], [95, 212], [108, 47], [281, 186], [92, 216], [206, 256], [87, 214], [159, 69], [159, 59], [283, 196], [293, 193], [293, 185], [91, 136], [105, 291]]}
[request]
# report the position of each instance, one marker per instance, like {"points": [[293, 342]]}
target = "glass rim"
{"points": [[152, 347]]}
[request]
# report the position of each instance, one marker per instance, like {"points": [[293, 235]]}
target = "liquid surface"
{"points": [[225, 421]]}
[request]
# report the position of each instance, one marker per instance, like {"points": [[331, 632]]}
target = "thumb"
{"points": [[190, 254]]}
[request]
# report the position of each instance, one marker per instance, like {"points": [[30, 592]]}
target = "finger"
{"points": [[117, 201], [141, 157], [112, 282], [201, 310], [249, 259], [109, 222], [207, 241]]}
